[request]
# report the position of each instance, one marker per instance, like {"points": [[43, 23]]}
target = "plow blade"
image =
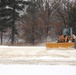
{"points": [[59, 45]]}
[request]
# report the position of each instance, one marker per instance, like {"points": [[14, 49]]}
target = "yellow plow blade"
{"points": [[59, 45]]}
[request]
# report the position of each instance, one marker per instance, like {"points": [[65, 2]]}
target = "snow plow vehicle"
{"points": [[66, 40]]}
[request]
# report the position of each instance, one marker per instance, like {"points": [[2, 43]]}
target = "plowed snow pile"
{"points": [[36, 55]]}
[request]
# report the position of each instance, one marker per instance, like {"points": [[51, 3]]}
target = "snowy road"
{"points": [[37, 55]]}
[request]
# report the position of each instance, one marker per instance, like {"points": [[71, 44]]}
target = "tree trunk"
{"points": [[13, 26], [33, 39], [12, 38], [47, 29], [33, 24]]}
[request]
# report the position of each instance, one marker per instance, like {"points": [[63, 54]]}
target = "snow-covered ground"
{"points": [[38, 55], [37, 70]]}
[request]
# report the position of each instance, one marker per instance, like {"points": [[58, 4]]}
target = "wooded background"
{"points": [[35, 21]]}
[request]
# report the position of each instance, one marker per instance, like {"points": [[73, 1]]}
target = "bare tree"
{"points": [[37, 20]]}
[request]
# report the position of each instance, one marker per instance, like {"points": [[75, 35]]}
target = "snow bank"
{"points": [[35, 54]]}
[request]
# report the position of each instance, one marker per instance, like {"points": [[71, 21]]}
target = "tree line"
{"points": [[36, 21]]}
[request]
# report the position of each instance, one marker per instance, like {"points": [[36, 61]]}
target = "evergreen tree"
{"points": [[3, 18], [13, 9], [9, 13]]}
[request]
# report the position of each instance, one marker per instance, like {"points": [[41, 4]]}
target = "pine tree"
{"points": [[9, 13], [14, 6], [3, 18]]}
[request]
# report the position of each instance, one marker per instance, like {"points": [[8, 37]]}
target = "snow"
{"points": [[37, 70], [37, 55]]}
